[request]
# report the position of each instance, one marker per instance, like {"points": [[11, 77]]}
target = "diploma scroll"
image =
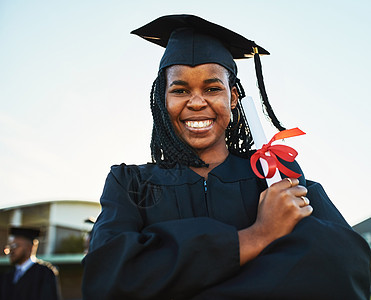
{"points": [[258, 135]]}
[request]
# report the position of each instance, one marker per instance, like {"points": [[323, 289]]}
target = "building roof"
{"points": [[363, 227], [10, 207]]}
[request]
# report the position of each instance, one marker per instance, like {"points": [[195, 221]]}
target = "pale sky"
{"points": [[74, 90]]}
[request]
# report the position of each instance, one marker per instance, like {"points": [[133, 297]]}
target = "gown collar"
{"points": [[232, 169]]}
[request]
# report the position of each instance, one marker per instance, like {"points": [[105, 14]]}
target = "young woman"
{"points": [[197, 223]]}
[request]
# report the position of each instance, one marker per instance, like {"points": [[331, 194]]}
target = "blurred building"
{"points": [[364, 229], [64, 231]]}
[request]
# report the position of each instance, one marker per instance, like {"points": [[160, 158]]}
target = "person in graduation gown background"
{"points": [[197, 223], [31, 278]]}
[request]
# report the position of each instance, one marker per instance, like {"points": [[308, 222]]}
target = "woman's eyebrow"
{"points": [[206, 81], [212, 80], [178, 82]]}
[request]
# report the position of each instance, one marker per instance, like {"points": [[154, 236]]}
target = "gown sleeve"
{"points": [[322, 258], [166, 260]]}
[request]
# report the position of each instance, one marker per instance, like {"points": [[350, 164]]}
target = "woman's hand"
{"points": [[280, 208]]}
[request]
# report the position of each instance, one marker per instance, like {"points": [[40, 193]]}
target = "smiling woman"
{"points": [[199, 101], [197, 223]]}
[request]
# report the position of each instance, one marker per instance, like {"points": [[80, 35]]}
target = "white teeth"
{"points": [[198, 124]]}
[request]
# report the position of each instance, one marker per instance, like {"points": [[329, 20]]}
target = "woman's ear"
{"points": [[234, 97]]}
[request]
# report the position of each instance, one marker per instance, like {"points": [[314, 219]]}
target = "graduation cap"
{"points": [[191, 40], [26, 232]]}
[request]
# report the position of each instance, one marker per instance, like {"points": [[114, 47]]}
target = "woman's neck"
{"points": [[213, 159]]}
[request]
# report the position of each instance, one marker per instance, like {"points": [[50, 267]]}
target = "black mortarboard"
{"points": [[191, 40], [26, 232]]}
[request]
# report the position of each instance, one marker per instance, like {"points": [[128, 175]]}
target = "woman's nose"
{"points": [[196, 102]]}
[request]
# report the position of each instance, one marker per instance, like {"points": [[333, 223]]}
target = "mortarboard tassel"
{"points": [[263, 93]]}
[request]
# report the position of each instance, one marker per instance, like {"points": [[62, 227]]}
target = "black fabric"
{"points": [[191, 40], [189, 47], [163, 235], [39, 282]]}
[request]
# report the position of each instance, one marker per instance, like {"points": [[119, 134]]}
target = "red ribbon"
{"points": [[285, 152]]}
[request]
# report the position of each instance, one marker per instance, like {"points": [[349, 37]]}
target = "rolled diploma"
{"points": [[258, 135]]}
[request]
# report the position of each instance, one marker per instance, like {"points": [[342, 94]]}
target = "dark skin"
{"points": [[199, 101]]}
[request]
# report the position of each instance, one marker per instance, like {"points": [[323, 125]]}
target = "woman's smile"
{"points": [[205, 124]]}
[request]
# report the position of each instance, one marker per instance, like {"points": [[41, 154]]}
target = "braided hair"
{"points": [[238, 135], [166, 147]]}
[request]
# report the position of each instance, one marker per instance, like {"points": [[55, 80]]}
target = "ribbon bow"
{"points": [[285, 152]]}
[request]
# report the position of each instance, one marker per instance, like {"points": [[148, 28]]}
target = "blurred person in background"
{"points": [[31, 278]]}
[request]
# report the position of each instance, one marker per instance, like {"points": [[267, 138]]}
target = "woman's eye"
{"points": [[213, 89], [178, 91]]}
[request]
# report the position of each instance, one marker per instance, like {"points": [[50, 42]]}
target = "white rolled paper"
{"points": [[258, 135]]}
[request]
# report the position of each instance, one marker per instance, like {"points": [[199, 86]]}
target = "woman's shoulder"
{"points": [[153, 173], [123, 167], [125, 171]]}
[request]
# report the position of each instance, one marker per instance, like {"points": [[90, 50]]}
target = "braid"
{"points": [[166, 148], [238, 136]]}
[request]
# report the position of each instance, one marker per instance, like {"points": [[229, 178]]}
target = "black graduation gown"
{"points": [[39, 282], [169, 234]]}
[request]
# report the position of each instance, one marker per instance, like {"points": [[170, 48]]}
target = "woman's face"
{"points": [[199, 102]]}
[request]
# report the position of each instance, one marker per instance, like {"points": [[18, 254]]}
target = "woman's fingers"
{"points": [[305, 201], [306, 210], [285, 201], [297, 191], [288, 186], [291, 181]]}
